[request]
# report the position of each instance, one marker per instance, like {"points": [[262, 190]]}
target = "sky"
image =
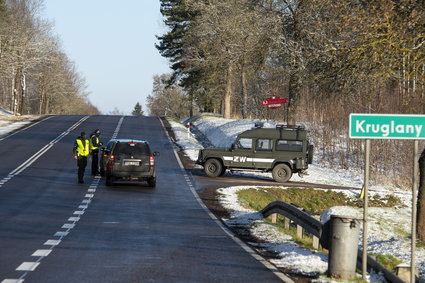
{"points": [[112, 44]]}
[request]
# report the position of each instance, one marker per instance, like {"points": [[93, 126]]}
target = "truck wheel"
{"points": [[213, 168], [282, 173]]}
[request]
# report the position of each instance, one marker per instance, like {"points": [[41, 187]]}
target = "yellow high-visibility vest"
{"points": [[91, 142], [82, 149]]}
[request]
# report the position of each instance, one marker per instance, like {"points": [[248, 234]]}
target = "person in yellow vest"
{"points": [[95, 143], [81, 152]]}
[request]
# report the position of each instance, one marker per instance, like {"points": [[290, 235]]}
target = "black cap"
{"points": [[83, 134]]}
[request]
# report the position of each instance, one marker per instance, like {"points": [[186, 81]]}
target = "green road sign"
{"points": [[387, 126]]}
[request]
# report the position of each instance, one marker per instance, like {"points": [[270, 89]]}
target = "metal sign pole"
{"points": [[365, 208], [414, 210]]}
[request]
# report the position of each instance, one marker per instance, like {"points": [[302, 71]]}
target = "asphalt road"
{"points": [[55, 230]]}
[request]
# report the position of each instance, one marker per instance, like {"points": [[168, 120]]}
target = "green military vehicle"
{"points": [[282, 150]]}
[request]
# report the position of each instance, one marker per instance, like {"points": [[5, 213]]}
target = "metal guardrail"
{"points": [[321, 231]]}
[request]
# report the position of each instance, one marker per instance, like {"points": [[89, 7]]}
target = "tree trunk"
{"points": [[420, 225], [228, 94], [16, 91], [22, 93], [293, 95], [245, 94]]}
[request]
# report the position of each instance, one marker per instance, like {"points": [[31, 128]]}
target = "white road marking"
{"points": [[18, 170], [248, 249], [41, 253], [61, 234], [12, 281], [52, 242], [68, 226], [32, 125], [28, 266]]}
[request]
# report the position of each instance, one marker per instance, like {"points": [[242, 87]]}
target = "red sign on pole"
{"points": [[274, 102]]}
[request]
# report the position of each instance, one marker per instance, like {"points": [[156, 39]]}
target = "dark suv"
{"points": [[128, 160]]}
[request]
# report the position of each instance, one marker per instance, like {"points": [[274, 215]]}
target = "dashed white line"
{"points": [[28, 266], [68, 226], [12, 281], [41, 253], [61, 234], [52, 242]]}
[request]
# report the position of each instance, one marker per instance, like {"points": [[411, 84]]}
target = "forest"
{"points": [[329, 58], [36, 76]]}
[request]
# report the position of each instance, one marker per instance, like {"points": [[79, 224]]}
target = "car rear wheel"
{"points": [[109, 180], [213, 168], [282, 173], [152, 182]]}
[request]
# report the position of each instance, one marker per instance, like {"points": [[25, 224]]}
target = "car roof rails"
{"points": [[284, 126]]}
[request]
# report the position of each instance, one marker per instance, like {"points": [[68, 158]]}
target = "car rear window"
{"points": [[132, 148]]}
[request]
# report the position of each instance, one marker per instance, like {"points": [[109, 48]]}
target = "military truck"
{"points": [[282, 150]]}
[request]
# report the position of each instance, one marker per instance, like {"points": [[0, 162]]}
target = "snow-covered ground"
{"points": [[9, 122], [388, 227]]}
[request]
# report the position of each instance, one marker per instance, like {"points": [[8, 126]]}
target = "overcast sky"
{"points": [[112, 45]]}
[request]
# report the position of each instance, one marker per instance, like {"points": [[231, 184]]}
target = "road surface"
{"points": [[53, 229]]}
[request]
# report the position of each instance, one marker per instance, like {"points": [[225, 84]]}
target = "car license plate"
{"points": [[134, 163]]}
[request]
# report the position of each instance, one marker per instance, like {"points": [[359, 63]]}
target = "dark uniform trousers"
{"points": [[95, 162], [81, 163]]}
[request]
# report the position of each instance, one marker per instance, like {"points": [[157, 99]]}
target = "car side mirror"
{"points": [[156, 153], [233, 146]]}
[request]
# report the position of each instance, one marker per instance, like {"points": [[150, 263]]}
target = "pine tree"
{"points": [[137, 110]]}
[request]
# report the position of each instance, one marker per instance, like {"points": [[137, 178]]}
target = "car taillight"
{"points": [[151, 162], [111, 161]]}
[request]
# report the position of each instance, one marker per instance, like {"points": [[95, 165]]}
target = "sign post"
{"points": [[387, 126]]}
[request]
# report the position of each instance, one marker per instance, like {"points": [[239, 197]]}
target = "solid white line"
{"points": [[39, 153], [28, 266], [248, 249], [41, 253], [32, 125]]}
